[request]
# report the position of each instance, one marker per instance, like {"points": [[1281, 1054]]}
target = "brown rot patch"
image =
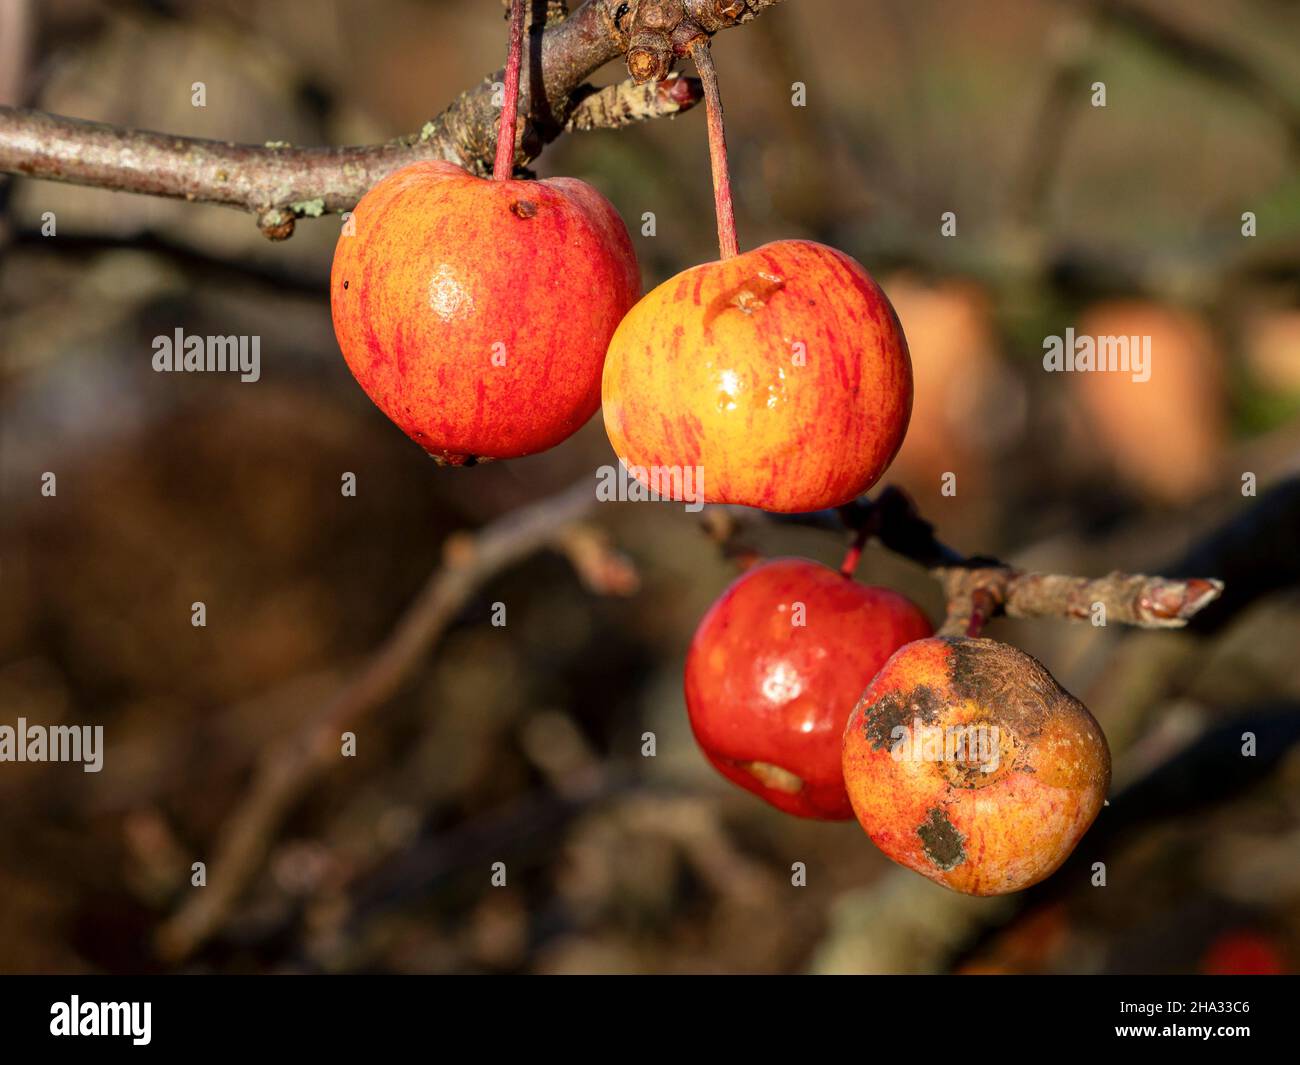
{"points": [[1012, 688], [942, 841], [747, 297], [899, 710], [524, 209], [345, 284]]}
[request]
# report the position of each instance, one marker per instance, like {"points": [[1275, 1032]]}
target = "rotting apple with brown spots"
{"points": [[966, 761], [774, 670]]}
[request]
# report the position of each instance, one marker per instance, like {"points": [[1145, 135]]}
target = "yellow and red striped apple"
{"points": [[475, 313], [782, 373]]}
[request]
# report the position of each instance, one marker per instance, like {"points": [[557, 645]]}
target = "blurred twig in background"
{"points": [[1202, 56], [291, 765]]}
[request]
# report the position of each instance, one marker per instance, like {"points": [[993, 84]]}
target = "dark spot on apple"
{"points": [[524, 208], [942, 841], [1014, 688], [898, 710], [345, 284]]}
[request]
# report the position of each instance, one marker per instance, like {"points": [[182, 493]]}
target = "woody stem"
{"points": [[703, 57], [504, 166]]}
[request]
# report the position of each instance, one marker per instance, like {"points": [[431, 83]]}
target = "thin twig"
{"points": [[726, 212], [289, 767], [977, 595], [1069, 52], [627, 103]]}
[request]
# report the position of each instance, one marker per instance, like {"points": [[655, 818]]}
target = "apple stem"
{"points": [[504, 167], [983, 605], [726, 212], [854, 554]]}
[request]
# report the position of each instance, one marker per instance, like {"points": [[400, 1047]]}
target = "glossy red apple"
{"points": [[776, 667]]}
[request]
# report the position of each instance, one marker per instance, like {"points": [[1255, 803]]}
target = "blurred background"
{"points": [[523, 744]]}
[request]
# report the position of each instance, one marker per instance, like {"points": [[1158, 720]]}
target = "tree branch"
{"points": [[655, 33], [628, 103], [978, 588], [976, 595], [281, 183], [291, 765]]}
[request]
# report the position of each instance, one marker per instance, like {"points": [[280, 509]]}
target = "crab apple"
{"points": [[967, 762], [475, 313], [774, 669], [781, 373]]}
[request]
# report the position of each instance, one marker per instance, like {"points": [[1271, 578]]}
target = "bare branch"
{"points": [[602, 568], [282, 183], [277, 183], [288, 768], [655, 33], [977, 588], [976, 595]]}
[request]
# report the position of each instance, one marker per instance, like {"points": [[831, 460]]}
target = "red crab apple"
{"points": [[776, 666], [475, 313], [967, 762]]}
